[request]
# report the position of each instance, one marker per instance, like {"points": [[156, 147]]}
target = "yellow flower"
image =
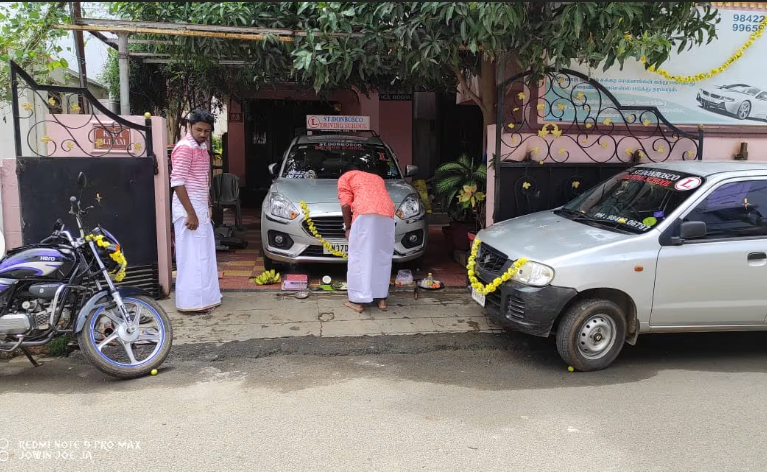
{"points": [[46, 139], [525, 185], [137, 146], [661, 148], [604, 145], [557, 132], [514, 140], [70, 146], [511, 125], [562, 150], [515, 109], [585, 140], [646, 122], [621, 220], [99, 142], [52, 101], [543, 132], [536, 150], [630, 118], [579, 96], [607, 121], [27, 106], [576, 184], [75, 107], [521, 95], [629, 151], [561, 106], [540, 106], [588, 125], [540, 162]]}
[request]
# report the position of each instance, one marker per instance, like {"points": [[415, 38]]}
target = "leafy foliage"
{"points": [[462, 183], [26, 37]]}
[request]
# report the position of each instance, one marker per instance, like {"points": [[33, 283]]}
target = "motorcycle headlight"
{"points": [[281, 207], [411, 207], [534, 274]]}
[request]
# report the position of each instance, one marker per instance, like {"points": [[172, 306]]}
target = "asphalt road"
{"points": [[440, 403]]}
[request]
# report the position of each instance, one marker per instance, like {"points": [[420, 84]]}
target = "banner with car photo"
{"points": [[736, 96]]}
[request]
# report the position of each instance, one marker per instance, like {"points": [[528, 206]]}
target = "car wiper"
{"points": [[580, 216]]}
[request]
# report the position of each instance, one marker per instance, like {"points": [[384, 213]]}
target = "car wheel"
{"points": [[744, 110], [268, 263], [591, 334]]}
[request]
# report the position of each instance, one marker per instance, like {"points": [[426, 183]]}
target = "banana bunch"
{"points": [[268, 277]]}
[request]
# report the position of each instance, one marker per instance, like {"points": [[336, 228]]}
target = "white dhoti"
{"points": [[371, 248], [197, 285]]}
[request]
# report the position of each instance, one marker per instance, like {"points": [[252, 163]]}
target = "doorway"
{"points": [[270, 126]]}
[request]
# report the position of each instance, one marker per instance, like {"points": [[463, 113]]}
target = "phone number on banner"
{"points": [[747, 22]]}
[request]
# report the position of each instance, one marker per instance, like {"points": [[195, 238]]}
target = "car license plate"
{"points": [[478, 297], [337, 247]]}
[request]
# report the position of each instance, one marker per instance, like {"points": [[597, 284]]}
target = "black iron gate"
{"points": [[564, 133], [62, 131]]}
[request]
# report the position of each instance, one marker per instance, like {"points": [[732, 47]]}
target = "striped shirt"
{"points": [[191, 168], [365, 193]]}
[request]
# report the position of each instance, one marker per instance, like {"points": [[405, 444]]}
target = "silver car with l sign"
{"points": [[309, 172], [658, 248]]}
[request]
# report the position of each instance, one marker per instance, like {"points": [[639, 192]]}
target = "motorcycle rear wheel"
{"points": [[102, 333]]}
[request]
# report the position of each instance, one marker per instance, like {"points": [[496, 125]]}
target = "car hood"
{"points": [[326, 190], [545, 237], [725, 92]]}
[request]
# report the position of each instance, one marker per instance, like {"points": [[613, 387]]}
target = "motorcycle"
{"points": [[64, 286]]}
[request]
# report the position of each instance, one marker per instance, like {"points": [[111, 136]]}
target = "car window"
{"points": [[734, 210], [762, 96], [328, 160], [636, 200]]}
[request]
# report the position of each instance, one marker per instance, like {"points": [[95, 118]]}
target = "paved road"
{"points": [[675, 403]]}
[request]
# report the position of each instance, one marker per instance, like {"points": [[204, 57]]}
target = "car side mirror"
{"points": [[411, 171], [689, 230], [82, 181], [273, 169]]}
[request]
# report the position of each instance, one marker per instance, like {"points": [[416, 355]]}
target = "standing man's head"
{"points": [[201, 125]]}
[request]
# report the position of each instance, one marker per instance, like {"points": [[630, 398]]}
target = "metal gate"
{"points": [[565, 132], [61, 131]]}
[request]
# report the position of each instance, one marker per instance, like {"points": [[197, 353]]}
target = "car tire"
{"points": [[591, 334], [744, 110], [268, 263]]}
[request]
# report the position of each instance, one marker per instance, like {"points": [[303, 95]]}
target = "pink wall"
{"points": [[235, 144], [715, 148], [79, 127], [396, 129]]}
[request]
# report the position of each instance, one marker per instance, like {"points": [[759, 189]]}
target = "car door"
{"points": [[760, 106], [719, 279]]}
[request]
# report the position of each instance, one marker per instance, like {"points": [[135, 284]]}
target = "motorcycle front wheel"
{"points": [[108, 344]]}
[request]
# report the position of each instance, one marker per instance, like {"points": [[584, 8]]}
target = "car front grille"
{"points": [[317, 251], [328, 226], [515, 307], [490, 259]]}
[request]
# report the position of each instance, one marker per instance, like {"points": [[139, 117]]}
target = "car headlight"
{"points": [[534, 274], [281, 207], [411, 207]]}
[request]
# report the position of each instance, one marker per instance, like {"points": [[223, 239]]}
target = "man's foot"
{"points": [[382, 304], [355, 307]]}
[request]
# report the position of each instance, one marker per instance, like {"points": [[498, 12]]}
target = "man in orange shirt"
{"points": [[369, 223]]}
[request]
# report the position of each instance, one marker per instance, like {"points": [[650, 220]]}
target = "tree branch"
{"points": [[466, 89]]}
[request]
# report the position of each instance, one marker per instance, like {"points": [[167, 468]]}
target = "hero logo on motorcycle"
{"points": [[63, 285]]}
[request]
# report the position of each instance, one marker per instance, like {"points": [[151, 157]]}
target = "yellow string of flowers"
{"points": [[313, 230], [707, 75], [492, 286], [116, 255]]}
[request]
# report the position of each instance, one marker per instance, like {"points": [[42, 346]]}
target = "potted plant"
{"points": [[462, 183]]}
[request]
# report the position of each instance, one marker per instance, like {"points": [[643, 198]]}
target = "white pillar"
{"points": [[122, 45]]}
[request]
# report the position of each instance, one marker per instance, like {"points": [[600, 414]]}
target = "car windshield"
{"points": [[328, 160], [743, 89], [634, 200]]}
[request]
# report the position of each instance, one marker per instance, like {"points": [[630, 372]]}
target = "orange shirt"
{"points": [[365, 193]]}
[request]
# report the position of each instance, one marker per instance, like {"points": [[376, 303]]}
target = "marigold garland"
{"points": [[707, 75], [313, 230], [116, 255], [492, 286]]}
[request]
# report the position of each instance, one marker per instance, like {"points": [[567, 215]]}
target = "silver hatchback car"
{"points": [[309, 172], [658, 248]]}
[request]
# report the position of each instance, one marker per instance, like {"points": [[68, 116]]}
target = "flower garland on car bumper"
{"points": [[116, 254], [492, 286], [313, 230]]}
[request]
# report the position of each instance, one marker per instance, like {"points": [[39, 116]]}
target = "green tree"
{"points": [[26, 37]]}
